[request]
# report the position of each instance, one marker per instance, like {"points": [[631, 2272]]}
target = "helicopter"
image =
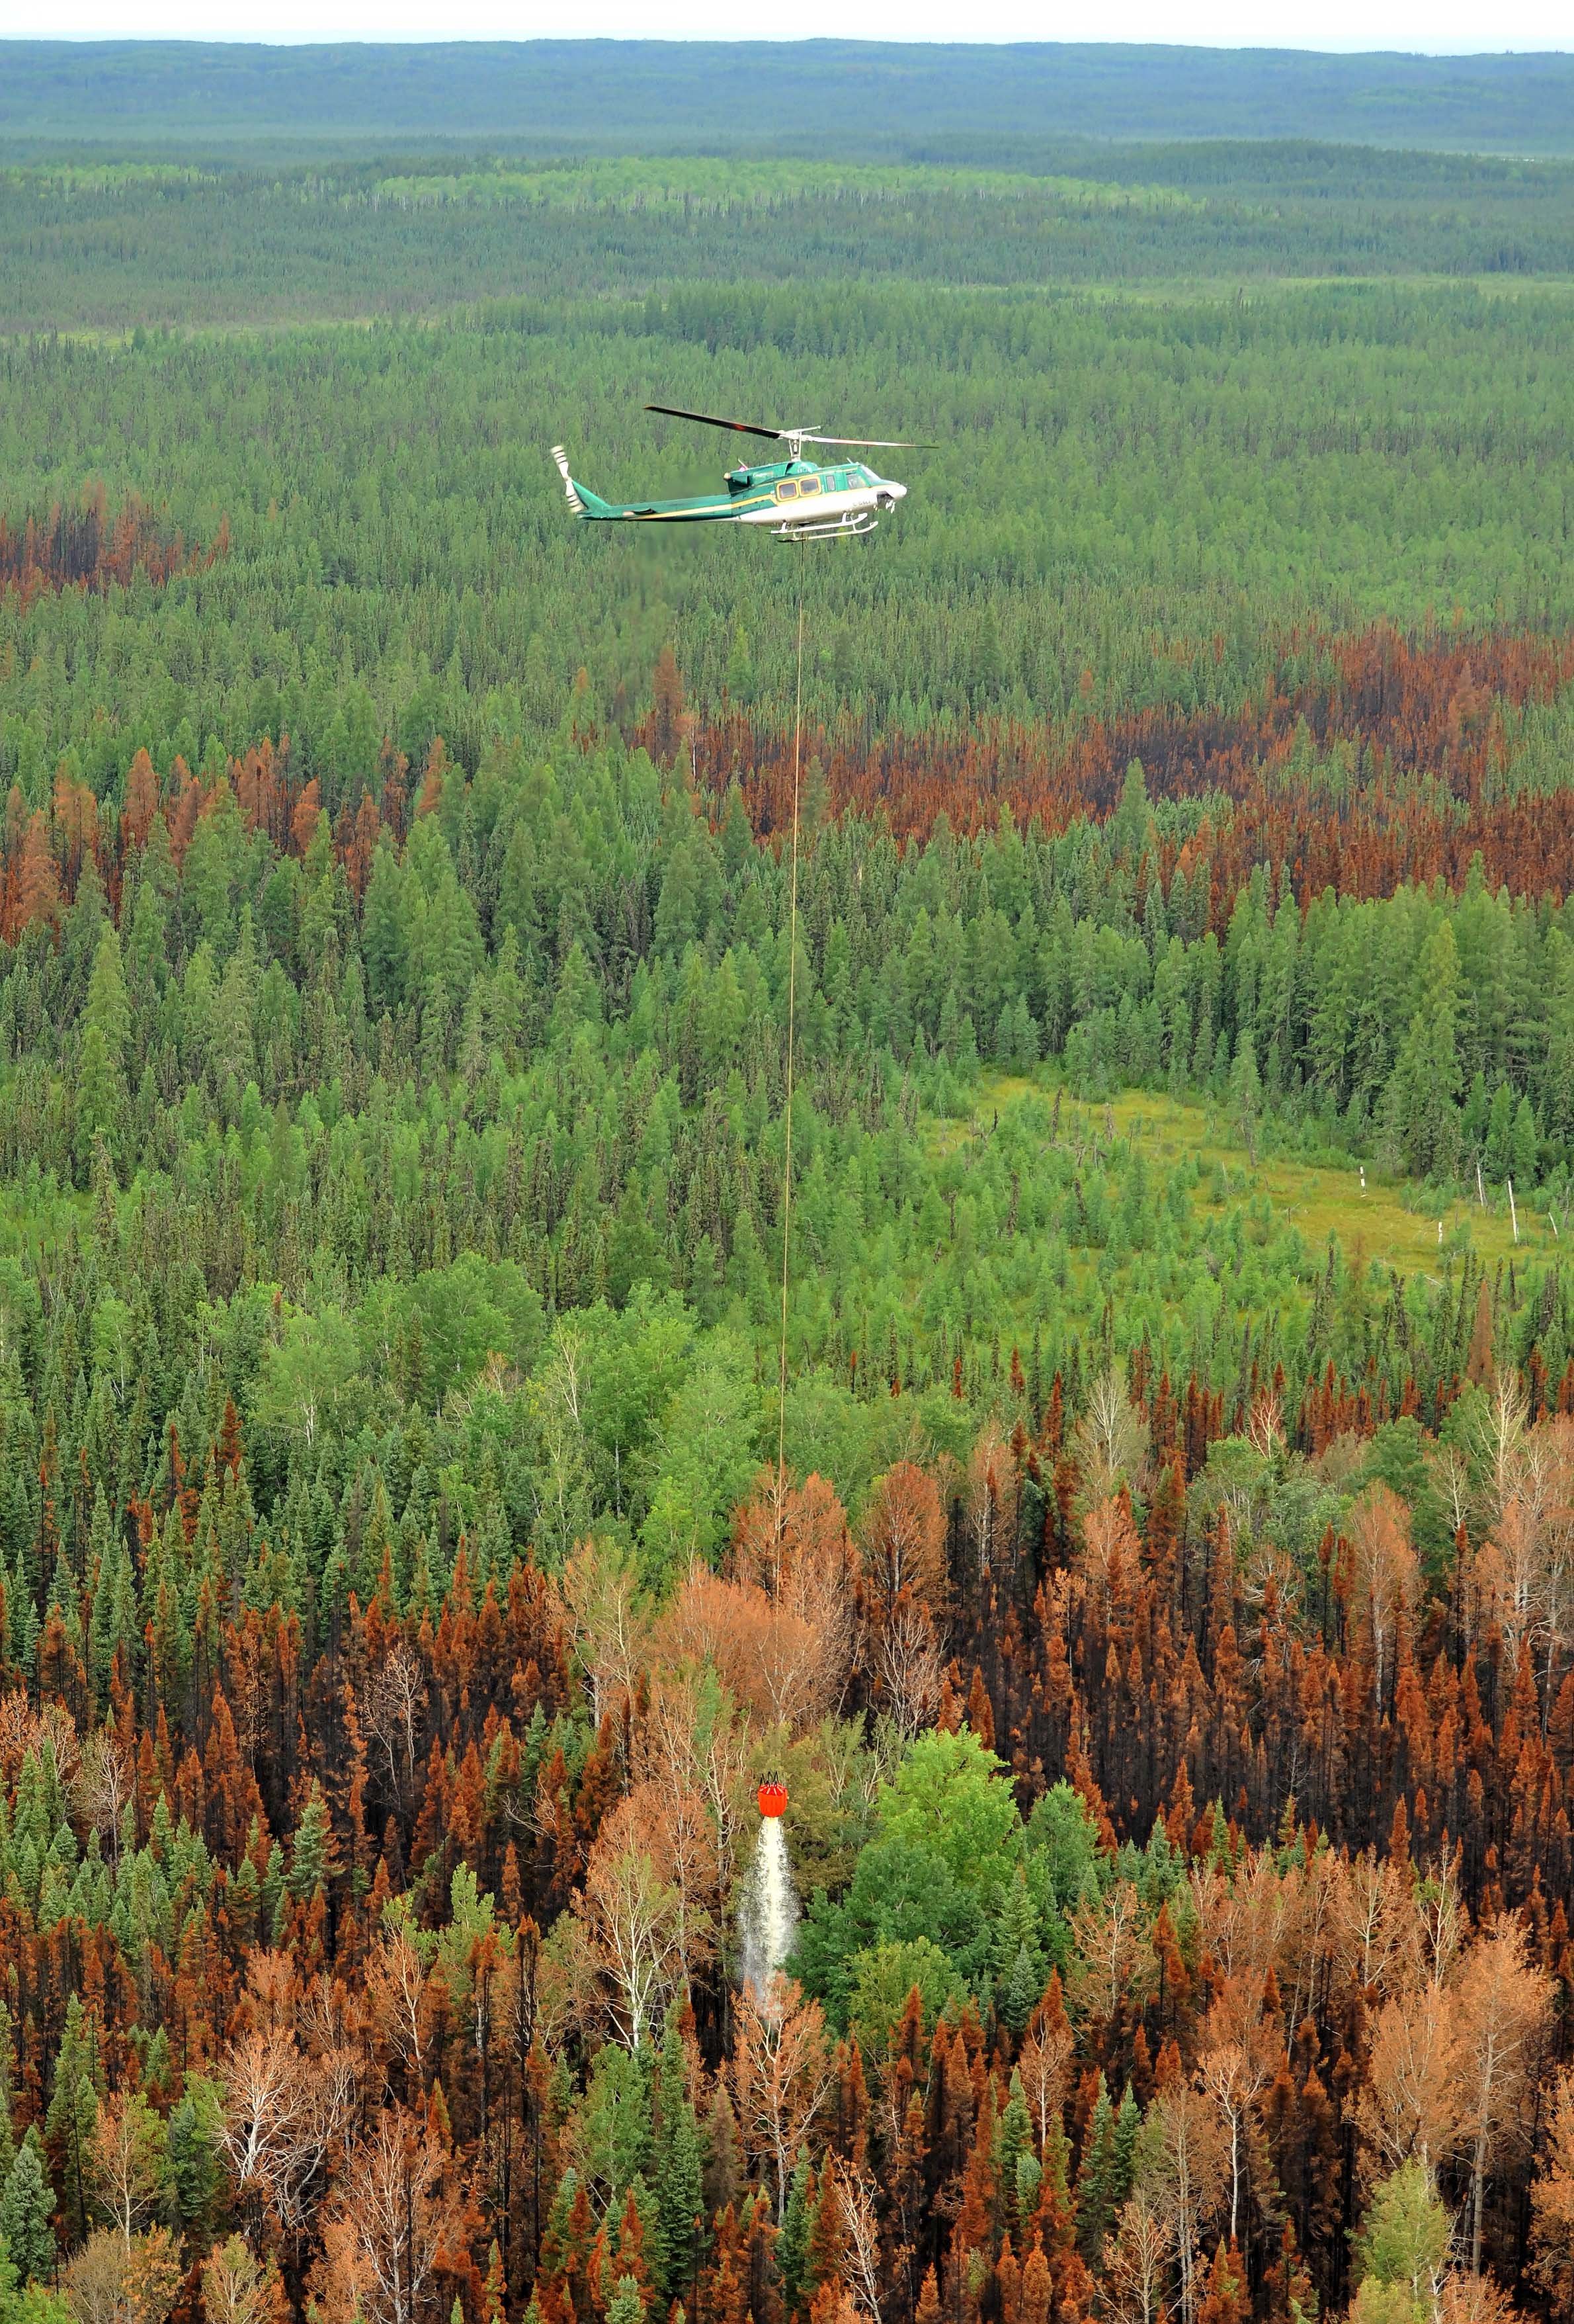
{"points": [[796, 499]]}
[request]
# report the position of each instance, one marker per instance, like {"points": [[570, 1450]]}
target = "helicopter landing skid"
{"points": [[859, 522]]}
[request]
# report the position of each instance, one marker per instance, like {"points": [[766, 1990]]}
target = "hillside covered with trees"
{"points": [[934, 101], [1161, 1612]]}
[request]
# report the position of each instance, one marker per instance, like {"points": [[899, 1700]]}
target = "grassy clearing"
{"points": [[1315, 1199]]}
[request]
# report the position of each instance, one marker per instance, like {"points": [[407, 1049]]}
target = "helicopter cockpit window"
{"points": [[787, 490]]}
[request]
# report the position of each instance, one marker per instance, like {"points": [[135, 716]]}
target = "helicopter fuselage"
{"points": [[795, 499]]}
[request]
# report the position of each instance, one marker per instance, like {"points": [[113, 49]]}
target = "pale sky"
{"points": [[1436, 27]]}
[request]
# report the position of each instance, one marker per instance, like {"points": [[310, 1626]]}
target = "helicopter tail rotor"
{"points": [[570, 489]]}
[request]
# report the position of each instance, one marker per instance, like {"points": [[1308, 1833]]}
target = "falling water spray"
{"points": [[768, 1914]]}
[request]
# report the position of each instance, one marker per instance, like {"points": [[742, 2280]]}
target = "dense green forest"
{"points": [[931, 102], [1157, 493], [113, 244], [1027, 1303]]}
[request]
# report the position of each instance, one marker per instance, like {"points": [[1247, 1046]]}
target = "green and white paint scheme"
{"points": [[794, 499]]}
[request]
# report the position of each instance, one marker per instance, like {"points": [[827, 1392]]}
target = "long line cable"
{"points": [[786, 1194]]}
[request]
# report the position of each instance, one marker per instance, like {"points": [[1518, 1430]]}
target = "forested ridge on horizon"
{"points": [[934, 101], [1158, 1634]]}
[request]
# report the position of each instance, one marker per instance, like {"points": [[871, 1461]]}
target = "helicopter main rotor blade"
{"points": [[792, 435], [709, 420]]}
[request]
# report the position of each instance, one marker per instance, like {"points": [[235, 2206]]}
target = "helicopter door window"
{"points": [[808, 487], [788, 489]]}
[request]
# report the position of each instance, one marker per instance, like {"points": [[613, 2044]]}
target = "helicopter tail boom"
{"points": [[580, 498]]}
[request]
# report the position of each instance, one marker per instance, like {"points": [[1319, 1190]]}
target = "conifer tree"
{"points": [[106, 1032], [312, 1853], [1097, 2192], [26, 2206], [1424, 1115], [1013, 2148], [195, 2150], [676, 2163], [7, 2127], [1021, 1963], [792, 2244], [73, 2111]]}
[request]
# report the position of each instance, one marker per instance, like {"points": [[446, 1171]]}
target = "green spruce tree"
{"points": [[26, 2207], [73, 2112], [676, 2165]]}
